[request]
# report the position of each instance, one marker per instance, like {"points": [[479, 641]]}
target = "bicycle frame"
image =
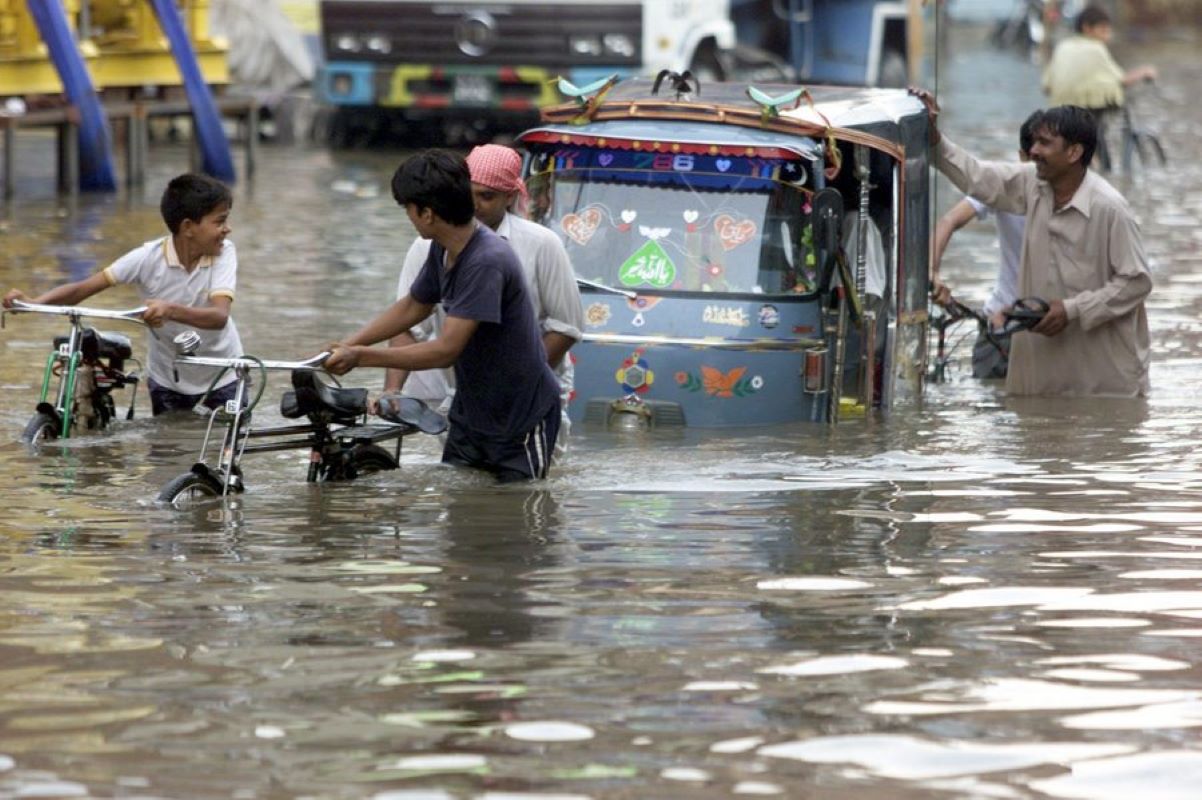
{"points": [[955, 312], [69, 355], [329, 441], [238, 430]]}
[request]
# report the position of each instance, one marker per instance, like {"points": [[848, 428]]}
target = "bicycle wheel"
{"points": [[362, 459], [190, 488], [368, 458], [41, 428]]}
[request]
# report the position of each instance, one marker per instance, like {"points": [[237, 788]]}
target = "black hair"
{"points": [[191, 196], [438, 180], [1075, 125], [1026, 132], [1091, 16]]}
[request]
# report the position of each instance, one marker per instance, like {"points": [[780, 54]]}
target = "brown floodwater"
{"points": [[983, 598]]}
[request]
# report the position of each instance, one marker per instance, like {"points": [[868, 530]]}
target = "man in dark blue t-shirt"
{"points": [[505, 415]]}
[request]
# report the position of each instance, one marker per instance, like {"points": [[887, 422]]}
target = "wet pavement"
{"points": [[985, 598]]}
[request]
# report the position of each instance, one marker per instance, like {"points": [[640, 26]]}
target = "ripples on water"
{"points": [[989, 598]]}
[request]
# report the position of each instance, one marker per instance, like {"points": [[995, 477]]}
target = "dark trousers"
{"points": [[163, 399]]}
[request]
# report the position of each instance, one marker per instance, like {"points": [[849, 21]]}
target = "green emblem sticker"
{"points": [[649, 266]]}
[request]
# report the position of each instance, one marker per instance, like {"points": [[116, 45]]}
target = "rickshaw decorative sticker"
{"points": [[717, 383], [635, 374], [596, 315], [732, 232], [769, 316], [638, 304], [628, 216], [581, 227], [726, 315], [648, 266]]}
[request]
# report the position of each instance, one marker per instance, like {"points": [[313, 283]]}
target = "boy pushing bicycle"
{"points": [[186, 280]]}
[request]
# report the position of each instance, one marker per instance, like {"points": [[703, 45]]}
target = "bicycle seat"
{"points": [[310, 395], [97, 344], [411, 411], [1026, 313]]}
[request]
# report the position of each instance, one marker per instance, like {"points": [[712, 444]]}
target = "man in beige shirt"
{"points": [[1081, 252]]}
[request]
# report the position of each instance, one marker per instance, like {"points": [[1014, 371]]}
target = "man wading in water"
{"points": [[1082, 252]]}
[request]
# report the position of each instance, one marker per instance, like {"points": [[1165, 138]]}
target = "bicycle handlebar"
{"points": [[128, 315], [234, 363]]}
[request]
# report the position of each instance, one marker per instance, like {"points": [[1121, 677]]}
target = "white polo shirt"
{"points": [[1010, 229], [156, 271]]}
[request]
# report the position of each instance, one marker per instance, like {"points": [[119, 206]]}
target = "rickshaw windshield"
{"points": [[679, 223]]}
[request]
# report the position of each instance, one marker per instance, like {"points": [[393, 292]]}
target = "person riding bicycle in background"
{"points": [[1082, 72], [989, 360], [186, 280]]}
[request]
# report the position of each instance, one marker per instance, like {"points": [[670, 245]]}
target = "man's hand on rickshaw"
{"points": [[342, 360], [14, 294], [932, 106]]}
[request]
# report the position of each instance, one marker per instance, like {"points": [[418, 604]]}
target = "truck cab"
{"points": [[437, 60]]}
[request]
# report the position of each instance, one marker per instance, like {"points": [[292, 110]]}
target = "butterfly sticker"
{"points": [[717, 383]]}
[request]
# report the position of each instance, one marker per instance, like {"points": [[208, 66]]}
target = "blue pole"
{"points": [[210, 136], [95, 150]]}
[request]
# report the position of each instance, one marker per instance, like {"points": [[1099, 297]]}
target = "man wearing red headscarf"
{"points": [[497, 187]]}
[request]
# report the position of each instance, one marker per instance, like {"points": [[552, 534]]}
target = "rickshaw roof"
{"points": [[843, 106], [689, 133], [728, 106]]}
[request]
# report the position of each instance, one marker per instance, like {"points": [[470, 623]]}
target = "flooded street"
{"points": [[989, 598]]}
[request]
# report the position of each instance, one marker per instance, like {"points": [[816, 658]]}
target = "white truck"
{"points": [[486, 62]]}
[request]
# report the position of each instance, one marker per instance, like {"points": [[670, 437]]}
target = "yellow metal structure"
{"points": [[25, 65], [133, 51], [120, 40]]}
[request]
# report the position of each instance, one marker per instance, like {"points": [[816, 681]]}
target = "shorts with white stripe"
{"points": [[525, 458]]}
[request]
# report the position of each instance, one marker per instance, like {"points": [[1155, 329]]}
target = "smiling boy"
{"points": [[186, 279]]}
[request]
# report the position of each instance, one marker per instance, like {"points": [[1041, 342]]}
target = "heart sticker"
{"points": [[629, 215], [731, 234], [581, 227]]}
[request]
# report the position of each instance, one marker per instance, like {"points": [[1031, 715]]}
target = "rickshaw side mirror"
{"points": [[827, 219]]}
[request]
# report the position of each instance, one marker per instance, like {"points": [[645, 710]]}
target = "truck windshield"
{"points": [[678, 223]]}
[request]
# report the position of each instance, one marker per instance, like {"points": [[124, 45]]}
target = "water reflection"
{"points": [[990, 598]]}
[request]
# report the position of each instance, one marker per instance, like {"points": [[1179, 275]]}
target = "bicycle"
{"points": [[341, 444], [1022, 316], [1134, 138], [89, 366]]}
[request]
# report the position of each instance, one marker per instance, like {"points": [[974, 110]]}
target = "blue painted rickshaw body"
{"points": [[731, 351]]}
